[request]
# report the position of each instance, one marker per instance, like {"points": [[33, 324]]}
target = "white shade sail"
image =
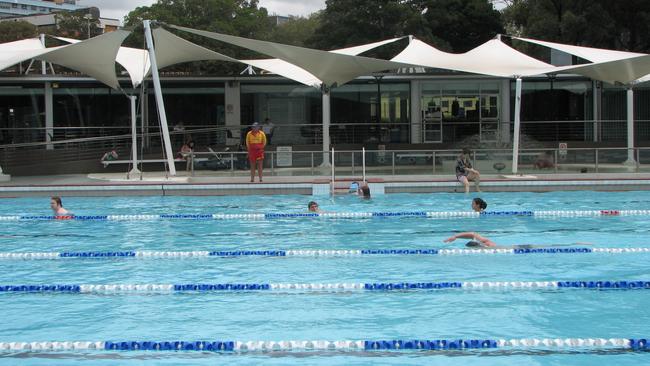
{"points": [[12, 53], [357, 50], [135, 61], [609, 65], [491, 58], [626, 71], [172, 49], [331, 68], [587, 53], [22, 45], [94, 57], [291, 71]]}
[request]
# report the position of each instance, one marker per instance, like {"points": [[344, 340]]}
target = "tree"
{"points": [[622, 25], [296, 31], [234, 17], [77, 24], [462, 24], [15, 31], [348, 23]]}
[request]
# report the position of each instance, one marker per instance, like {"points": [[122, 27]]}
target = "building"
{"points": [[45, 22], [17, 8]]}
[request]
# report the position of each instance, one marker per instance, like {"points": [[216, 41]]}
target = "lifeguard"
{"points": [[255, 143]]}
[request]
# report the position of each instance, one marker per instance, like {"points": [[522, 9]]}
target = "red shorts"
{"points": [[255, 155]]}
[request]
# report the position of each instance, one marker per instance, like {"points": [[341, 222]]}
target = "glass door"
{"points": [[431, 118], [489, 117]]}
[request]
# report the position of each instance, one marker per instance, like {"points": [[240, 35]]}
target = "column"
{"points": [[416, 113]]}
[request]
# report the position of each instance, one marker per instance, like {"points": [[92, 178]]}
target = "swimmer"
{"points": [[313, 206], [479, 205], [354, 187], [57, 207], [364, 191], [478, 241]]}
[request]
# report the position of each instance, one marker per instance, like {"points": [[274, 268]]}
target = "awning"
{"points": [[94, 57], [329, 67], [492, 58], [135, 61]]}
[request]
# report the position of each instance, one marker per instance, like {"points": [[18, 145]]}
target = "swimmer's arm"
{"points": [[465, 235]]}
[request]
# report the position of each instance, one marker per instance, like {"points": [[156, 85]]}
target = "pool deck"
{"points": [[155, 184]]}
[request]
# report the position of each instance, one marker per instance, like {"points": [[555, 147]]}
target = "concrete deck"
{"points": [[115, 184]]}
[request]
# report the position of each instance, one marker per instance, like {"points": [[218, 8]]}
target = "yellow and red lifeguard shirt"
{"points": [[255, 142]]}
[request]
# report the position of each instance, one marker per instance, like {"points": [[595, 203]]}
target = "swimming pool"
{"points": [[316, 313]]}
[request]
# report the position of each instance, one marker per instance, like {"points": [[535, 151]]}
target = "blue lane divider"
{"points": [[336, 215], [346, 286], [311, 253], [96, 254], [368, 345]]}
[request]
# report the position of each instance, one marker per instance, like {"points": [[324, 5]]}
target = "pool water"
{"points": [[437, 314]]}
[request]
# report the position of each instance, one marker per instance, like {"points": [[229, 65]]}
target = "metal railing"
{"points": [[423, 162]]}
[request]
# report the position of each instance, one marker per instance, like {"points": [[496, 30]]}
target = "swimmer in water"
{"points": [[479, 205], [478, 241], [312, 206], [57, 208]]}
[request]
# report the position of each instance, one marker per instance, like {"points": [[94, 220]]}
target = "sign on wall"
{"points": [[284, 157]]}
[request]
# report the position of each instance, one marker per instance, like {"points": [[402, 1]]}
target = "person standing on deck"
{"points": [[255, 143]]}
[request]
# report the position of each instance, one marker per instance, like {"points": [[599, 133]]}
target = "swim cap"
{"points": [[473, 244]]}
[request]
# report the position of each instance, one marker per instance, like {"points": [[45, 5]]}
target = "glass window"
{"points": [[22, 114], [356, 117], [554, 110], [294, 109]]}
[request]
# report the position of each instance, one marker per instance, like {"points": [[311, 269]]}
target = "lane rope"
{"points": [[348, 215], [306, 253], [339, 286], [637, 344]]}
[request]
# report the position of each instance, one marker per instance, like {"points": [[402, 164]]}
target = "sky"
{"points": [[117, 9]]}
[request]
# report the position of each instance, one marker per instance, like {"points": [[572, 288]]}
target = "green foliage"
{"points": [[15, 31], [235, 17], [623, 25], [453, 25], [462, 24], [296, 31], [78, 25]]}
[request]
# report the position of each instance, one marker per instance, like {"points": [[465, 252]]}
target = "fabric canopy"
{"points": [[491, 58], [608, 65], [291, 71], [135, 61], [12, 53], [587, 53], [94, 57], [626, 71], [172, 49], [22, 45], [331, 68]]}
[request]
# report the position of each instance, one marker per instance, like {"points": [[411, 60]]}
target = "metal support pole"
{"points": [[363, 162], [433, 159], [326, 126], [49, 116], [43, 63], [333, 176], [596, 160], [134, 137], [159, 98], [393, 161], [515, 143], [353, 170], [630, 127]]}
